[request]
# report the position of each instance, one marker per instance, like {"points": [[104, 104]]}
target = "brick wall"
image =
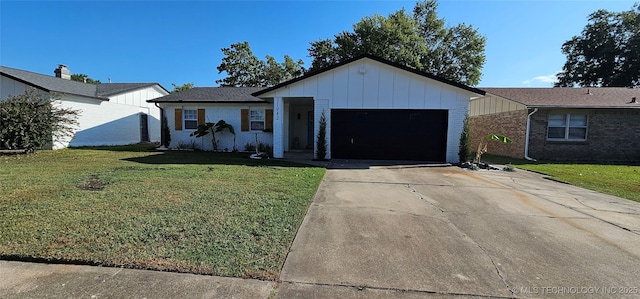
{"points": [[612, 135], [512, 124]]}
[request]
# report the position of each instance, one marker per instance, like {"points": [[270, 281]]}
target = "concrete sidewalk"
{"points": [[34, 280]]}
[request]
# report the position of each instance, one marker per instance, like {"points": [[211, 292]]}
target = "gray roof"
{"points": [[51, 83], [213, 95], [568, 97], [59, 85]]}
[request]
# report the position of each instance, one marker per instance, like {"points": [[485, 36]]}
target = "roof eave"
{"points": [[209, 102], [79, 95]]}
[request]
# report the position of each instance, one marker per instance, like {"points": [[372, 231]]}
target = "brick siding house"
{"points": [[569, 124]]}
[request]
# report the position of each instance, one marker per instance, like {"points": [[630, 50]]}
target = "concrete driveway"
{"points": [[379, 232]]}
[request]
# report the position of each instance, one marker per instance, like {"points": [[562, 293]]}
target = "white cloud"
{"points": [[541, 80]]}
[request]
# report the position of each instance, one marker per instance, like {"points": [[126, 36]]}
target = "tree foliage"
{"points": [[243, 68], [419, 40], [179, 88], [84, 78], [607, 53], [31, 121]]}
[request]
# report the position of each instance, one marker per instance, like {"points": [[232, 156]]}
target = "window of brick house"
{"points": [[567, 127]]}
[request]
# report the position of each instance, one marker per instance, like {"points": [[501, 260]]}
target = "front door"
{"points": [[144, 128]]}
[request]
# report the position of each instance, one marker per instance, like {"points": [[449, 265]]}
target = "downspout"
{"points": [[526, 141], [162, 137]]}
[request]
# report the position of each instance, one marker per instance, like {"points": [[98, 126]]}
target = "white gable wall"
{"points": [[138, 98], [369, 84]]}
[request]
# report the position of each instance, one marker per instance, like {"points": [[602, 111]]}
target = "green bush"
{"points": [[31, 121], [265, 148], [321, 152], [464, 150]]}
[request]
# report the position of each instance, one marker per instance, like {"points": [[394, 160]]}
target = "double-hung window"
{"points": [[567, 127], [190, 119], [256, 119]]}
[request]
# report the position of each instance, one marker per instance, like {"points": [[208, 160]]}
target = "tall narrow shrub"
{"points": [[166, 132], [321, 152], [464, 150]]}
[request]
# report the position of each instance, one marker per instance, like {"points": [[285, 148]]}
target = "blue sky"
{"points": [[180, 41]]}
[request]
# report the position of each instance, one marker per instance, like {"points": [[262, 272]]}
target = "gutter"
{"points": [[526, 141], [162, 137]]}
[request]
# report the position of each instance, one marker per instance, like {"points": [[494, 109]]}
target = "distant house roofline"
{"points": [[54, 84], [569, 97]]}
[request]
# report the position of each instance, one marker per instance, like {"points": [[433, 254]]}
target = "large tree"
{"points": [[419, 40], [607, 53], [84, 78], [179, 88], [243, 68]]}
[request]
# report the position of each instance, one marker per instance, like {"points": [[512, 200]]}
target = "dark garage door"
{"points": [[389, 134]]}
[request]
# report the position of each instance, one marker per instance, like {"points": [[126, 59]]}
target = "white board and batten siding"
{"points": [[369, 84], [117, 121]]}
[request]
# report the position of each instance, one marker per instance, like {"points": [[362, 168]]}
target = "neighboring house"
{"points": [[579, 124], [375, 109], [110, 113]]}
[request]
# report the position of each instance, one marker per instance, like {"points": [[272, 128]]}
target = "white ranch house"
{"points": [[375, 109], [110, 113]]}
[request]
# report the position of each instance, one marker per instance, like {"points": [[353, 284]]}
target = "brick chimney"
{"points": [[62, 72]]}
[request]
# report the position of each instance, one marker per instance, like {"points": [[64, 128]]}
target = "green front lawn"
{"points": [[619, 180], [199, 212]]}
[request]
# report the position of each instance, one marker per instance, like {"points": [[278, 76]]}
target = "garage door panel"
{"points": [[389, 134]]}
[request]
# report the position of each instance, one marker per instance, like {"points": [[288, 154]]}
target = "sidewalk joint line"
{"points": [[341, 285]]}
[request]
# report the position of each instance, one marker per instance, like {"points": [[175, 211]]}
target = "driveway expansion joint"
{"points": [[364, 287], [423, 198], [393, 183]]}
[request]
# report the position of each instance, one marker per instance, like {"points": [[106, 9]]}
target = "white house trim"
{"points": [[370, 83]]}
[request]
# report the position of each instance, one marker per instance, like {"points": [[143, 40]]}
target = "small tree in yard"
{"points": [[321, 152], [213, 128], [464, 150], [482, 146], [31, 121]]}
